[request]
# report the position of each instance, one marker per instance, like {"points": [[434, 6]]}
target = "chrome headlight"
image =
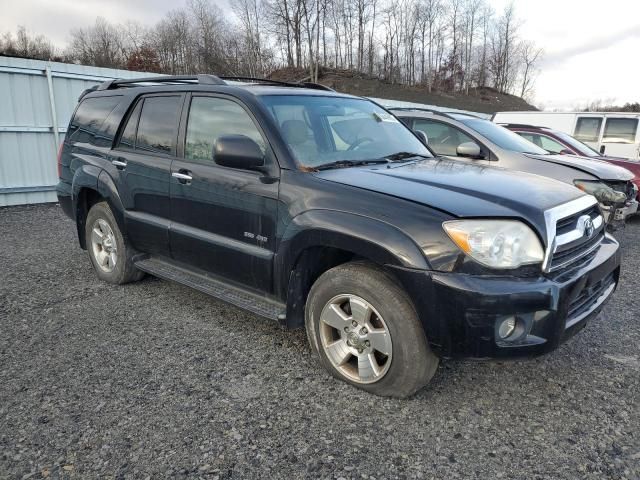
{"points": [[602, 192], [500, 244]]}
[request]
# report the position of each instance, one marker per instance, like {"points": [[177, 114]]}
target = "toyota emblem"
{"points": [[588, 228]]}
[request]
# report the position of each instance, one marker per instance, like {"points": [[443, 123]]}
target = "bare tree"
{"points": [[530, 55]]}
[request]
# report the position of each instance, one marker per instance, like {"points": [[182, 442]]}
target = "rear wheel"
{"points": [[366, 331], [111, 255]]}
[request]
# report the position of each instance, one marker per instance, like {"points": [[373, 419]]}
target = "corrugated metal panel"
{"points": [[27, 148]]}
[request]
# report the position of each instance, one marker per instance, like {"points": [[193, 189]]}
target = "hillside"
{"points": [[485, 100]]}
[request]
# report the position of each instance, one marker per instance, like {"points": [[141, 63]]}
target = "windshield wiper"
{"points": [[395, 157], [348, 163]]}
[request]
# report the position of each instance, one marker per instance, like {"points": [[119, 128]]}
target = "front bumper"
{"points": [[461, 312], [616, 217]]}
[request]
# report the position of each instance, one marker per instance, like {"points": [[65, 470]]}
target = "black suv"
{"points": [[322, 210]]}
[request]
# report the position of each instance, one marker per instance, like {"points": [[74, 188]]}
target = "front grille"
{"points": [[587, 298], [567, 254], [567, 224]]}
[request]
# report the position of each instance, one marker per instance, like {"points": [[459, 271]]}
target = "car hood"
{"points": [[460, 188], [632, 165], [598, 168]]}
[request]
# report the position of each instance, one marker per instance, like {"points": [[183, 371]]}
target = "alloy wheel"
{"points": [[355, 338]]}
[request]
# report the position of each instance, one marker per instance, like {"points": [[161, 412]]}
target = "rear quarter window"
{"points": [[89, 118]]}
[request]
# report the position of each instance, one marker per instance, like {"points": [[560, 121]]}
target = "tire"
{"points": [[397, 360], [111, 255]]}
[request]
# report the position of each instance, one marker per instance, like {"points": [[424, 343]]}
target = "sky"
{"points": [[591, 48]]}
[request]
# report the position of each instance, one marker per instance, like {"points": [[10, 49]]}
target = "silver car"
{"points": [[470, 138]]}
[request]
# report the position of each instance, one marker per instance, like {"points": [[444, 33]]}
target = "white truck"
{"points": [[611, 133]]}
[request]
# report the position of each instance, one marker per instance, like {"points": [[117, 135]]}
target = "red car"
{"points": [[555, 141]]}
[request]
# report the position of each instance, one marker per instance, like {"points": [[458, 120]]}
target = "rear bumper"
{"points": [[65, 198], [461, 313]]}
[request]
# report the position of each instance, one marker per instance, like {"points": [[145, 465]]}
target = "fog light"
{"points": [[506, 328]]}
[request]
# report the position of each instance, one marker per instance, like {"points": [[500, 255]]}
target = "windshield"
{"points": [[502, 137], [322, 129], [577, 145]]}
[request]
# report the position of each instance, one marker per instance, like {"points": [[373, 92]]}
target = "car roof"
{"points": [[211, 83]]}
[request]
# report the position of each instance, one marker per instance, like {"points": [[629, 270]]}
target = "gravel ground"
{"points": [[156, 380]]}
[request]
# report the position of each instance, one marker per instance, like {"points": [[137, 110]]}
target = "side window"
{"points": [[210, 118], [128, 138], [620, 130], [588, 129], [443, 139], [530, 137], [90, 116], [158, 125], [550, 145]]}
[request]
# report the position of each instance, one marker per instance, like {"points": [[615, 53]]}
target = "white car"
{"points": [[611, 133]]}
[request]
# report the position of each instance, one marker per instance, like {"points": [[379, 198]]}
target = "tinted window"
{"points": [[442, 138], [128, 138], [210, 118], [588, 129], [323, 129], [620, 130], [582, 148], [502, 137], [90, 116], [550, 145], [157, 128]]}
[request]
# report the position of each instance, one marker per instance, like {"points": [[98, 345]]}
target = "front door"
{"points": [[143, 157], [223, 220]]}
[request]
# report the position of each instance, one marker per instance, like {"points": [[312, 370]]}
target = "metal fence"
{"points": [[36, 101]]}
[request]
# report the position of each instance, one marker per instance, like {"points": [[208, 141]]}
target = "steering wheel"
{"points": [[359, 142]]}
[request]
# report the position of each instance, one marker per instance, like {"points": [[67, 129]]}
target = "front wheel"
{"points": [[366, 332]]}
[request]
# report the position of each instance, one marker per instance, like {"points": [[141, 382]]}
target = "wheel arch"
{"points": [[90, 186], [320, 240]]}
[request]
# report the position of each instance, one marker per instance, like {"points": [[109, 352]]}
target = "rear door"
{"points": [[620, 136], [223, 220], [143, 156]]}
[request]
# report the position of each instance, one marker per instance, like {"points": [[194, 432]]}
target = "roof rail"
{"points": [[522, 125], [419, 109], [165, 79], [268, 81], [316, 86], [465, 114]]}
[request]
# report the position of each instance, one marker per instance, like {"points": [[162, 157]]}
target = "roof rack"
{"points": [[198, 79], [165, 79]]}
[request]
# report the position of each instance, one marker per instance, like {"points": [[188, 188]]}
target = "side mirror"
{"points": [[602, 149], [469, 149], [565, 151], [422, 136], [238, 151]]}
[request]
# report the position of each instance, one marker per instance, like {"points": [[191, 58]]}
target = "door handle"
{"points": [[120, 164], [183, 176]]}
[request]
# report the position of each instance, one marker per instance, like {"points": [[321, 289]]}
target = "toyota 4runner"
{"points": [[322, 210]]}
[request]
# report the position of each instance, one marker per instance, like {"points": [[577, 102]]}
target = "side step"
{"points": [[239, 297]]}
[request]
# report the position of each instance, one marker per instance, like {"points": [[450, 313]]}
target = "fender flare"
{"points": [[361, 236], [108, 190]]}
